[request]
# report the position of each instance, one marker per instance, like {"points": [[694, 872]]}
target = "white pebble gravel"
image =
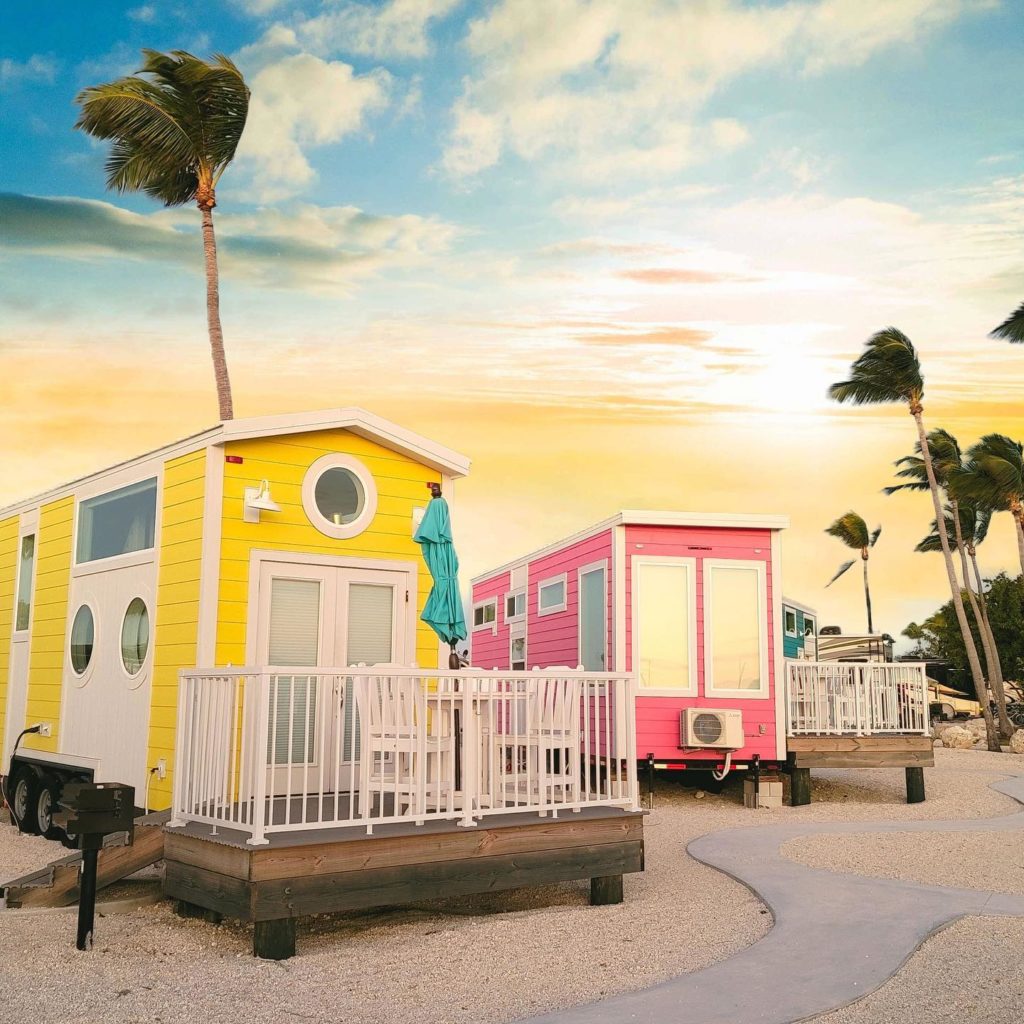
{"points": [[484, 959]]}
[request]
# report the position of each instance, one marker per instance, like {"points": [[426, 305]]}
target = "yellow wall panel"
{"points": [[176, 629], [49, 620], [8, 576], [401, 486]]}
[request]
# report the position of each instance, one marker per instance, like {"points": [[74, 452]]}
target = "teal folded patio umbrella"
{"points": [[443, 610]]}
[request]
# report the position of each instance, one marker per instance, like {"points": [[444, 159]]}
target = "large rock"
{"points": [[1017, 742], [959, 738]]}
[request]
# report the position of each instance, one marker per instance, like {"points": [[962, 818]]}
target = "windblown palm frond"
{"points": [[1012, 328], [974, 524], [946, 459], [992, 474], [175, 124], [886, 371], [875, 534], [851, 529], [842, 569]]}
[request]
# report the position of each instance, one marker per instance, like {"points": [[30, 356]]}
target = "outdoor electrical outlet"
{"points": [[161, 768], [45, 729]]}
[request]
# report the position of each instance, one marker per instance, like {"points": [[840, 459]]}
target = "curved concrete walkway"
{"points": [[836, 937]]}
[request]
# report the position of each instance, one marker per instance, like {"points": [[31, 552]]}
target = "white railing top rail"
{"points": [[405, 671]]}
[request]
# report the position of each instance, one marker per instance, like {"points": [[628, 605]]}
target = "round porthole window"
{"points": [[135, 637], [83, 639], [339, 496]]}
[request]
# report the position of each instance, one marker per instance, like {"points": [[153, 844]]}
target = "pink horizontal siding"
{"points": [[489, 644], [553, 639], [658, 717]]}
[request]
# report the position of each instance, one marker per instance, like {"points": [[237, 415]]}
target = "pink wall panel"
{"points": [[553, 639], [658, 716], [489, 645]]}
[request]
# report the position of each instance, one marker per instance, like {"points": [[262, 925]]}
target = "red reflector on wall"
{"points": [[235, 459]]}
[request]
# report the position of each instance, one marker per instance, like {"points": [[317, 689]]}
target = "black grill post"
{"points": [[87, 898], [650, 781]]}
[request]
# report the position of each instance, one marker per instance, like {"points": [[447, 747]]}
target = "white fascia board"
{"points": [[193, 443], [735, 520], [358, 421], [790, 603]]}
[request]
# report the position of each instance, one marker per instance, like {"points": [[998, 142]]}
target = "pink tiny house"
{"points": [[690, 602]]}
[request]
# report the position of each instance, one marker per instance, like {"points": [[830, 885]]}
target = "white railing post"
{"points": [[630, 686], [261, 718], [181, 767]]}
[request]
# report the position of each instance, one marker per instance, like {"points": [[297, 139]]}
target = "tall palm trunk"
{"points": [[991, 735], [987, 640], [1006, 727], [1018, 525], [220, 365], [867, 592]]}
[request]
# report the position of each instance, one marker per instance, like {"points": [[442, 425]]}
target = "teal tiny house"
{"points": [[800, 632]]}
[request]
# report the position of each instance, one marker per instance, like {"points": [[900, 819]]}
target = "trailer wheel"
{"points": [[23, 800], [47, 795]]}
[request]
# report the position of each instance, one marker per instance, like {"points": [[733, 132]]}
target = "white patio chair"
{"points": [[536, 740], [400, 752]]}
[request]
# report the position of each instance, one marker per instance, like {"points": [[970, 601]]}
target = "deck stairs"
{"points": [[56, 885]]}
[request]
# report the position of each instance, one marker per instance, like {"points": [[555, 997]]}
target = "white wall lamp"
{"points": [[258, 499]]}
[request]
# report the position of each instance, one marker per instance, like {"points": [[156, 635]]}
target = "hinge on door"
{"points": [[407, 597]]}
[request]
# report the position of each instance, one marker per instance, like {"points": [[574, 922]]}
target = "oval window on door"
{"points": [[135, 637], [83, 640]]}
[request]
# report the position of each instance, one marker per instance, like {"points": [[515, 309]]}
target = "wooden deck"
{"points": [[331, 870], [912, 752]]}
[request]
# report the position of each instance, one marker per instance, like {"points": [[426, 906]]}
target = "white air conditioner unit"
{"points": [[702, 728]]}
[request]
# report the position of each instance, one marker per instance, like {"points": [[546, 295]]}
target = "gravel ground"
{"points": [[482, 959], [982, 860], [969, 971]]}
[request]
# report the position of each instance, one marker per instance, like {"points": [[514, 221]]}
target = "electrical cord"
{"points": [[149, 779], [6, 793]]}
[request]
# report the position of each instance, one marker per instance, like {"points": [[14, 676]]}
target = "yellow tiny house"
{"points": [[283, 540]]}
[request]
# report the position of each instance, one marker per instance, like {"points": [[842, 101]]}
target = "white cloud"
{"points": [[36, 69], [609, 88], [301, 102], [145, 14], [397, 28]]}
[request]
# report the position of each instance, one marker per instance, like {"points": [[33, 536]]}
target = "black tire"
{"points": [[22, 795], [47, 795]]}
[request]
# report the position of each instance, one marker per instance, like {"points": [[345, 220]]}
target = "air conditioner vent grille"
{"points": [[707, 728]]}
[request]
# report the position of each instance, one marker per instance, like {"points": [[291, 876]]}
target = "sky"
{"points": [[613, 252]]}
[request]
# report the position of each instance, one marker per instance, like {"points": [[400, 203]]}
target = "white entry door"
{"points": [[323, 617]]}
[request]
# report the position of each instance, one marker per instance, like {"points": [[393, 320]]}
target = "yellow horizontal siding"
{"points": [[283, 462], [8, 576], [177, 606], [49, 620]]}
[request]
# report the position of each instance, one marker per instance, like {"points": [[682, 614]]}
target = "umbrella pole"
{"points": [[454, 664]]}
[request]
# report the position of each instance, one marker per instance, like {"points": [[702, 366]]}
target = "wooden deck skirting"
{"points": [[912, 752], [331, 871]]}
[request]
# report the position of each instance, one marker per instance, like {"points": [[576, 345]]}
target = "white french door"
{"points": [[323, 617]]}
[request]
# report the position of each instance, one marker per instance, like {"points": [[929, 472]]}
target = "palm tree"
{"points": [[175, 125], [947, 460], [888, 371], [853, 532], [970, 523], [993, 475], [1012, 328]]}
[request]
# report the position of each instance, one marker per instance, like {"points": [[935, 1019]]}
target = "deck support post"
{"points": [[915, 785], [274, 940], [605, 890], [185, 909], [799, 786]]}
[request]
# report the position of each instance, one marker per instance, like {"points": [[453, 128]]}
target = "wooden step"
{"points": [[56, 885]]}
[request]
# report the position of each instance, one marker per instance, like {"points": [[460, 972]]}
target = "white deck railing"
{"points": [[855, 699], [285, 750]]}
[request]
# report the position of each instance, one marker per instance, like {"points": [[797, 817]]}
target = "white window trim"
{"points": [[794, 632], [562, 578], [29, 529], [691, 596], [710, 690], [493, 624], [118, 482], [515, 593], [344, 531], [599, 566]]}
